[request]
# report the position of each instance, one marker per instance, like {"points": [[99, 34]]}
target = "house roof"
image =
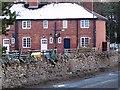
{"points": [[96, 14], [52, 11]]}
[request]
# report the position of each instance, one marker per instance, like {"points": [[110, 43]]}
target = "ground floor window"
{"points": [[59, 40], [26, 42], [51, 40], [84, 41]]}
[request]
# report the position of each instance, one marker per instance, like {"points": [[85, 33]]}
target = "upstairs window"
{"points": [[84, 24], [45, 24], [26, 24], [64, 23]]}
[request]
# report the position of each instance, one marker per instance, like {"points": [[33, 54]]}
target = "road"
{"points": [[109, 80], [106, 80]]}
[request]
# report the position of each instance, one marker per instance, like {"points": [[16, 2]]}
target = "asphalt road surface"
{"points": [[106, 80], [109, 80]]}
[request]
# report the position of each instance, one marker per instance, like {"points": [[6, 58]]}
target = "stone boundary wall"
{"points": [[20, 74]]}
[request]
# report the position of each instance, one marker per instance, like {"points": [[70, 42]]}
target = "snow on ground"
{"points": [[52, 11]]}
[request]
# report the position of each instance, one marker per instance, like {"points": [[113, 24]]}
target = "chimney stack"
{"points": [[88, 5], [33, 3]]}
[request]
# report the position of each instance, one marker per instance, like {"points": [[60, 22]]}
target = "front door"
{"points": [[104, 46], [66, 43], [6, 43], [44, 44]]}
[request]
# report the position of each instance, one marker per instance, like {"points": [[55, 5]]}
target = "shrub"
{"points": [[4, 49]]}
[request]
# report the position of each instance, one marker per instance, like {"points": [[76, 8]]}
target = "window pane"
{"points": [[28, 24], [24, 24], [86, 42], [24, 42], [6, 41], [82, 23], [44, 41], [28, 42], [86, 23]]}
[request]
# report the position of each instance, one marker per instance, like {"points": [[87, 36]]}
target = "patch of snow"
{"points": [[2, 17], [52, 11]]}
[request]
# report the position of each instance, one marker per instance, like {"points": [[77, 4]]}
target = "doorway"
{"points": [[66, 43], [44, 44]]}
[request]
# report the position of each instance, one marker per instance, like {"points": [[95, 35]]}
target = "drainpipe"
{"points": [[77, 33], [54, 35], [94, 27], [94, 32], [16, 36]]}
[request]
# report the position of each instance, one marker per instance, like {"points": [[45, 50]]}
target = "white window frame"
{"points": [[8, 27], [12, 40], [59, 40], [45, 24], [84, 23], [6, 41], [51, 40], [65, 23], [26, 42], [26, 24], [84, 46]]}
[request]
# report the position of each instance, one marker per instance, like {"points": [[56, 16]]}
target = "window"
{"points": [[85, 41], [26, 42], [84, 23], [26, 24], [59, 40], [64, 23], [44, 41], [51, 40], [6, 41], [12, 40], [45, 24]]}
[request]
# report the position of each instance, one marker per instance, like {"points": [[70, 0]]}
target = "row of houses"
{"points": [[45, 26]]}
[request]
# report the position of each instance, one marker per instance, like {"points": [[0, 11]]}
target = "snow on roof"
{"points": [[52, 11], [2, 17]]}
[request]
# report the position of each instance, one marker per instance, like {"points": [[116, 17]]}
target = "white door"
{"points": [[6, 43], [44, 44]]}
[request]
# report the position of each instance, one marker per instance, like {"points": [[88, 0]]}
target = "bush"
{"points": [[4, 49]]}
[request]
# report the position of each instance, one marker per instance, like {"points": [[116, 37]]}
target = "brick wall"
{"points": [[37, 33]]}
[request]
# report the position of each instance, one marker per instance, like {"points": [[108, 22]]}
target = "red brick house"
{"points": [[36, 25]]}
